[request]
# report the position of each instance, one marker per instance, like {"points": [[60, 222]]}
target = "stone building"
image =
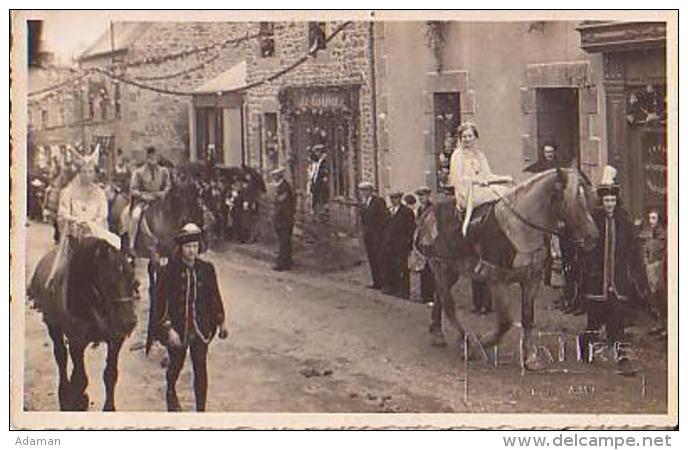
{"points": [[525, 84], [327, 100], [172, 56]]}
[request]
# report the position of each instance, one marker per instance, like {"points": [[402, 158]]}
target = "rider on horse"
{"points": [[148, 183], [470, 174]]}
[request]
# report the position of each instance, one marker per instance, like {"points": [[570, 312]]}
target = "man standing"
{"points": [[612, 273], [374, 220], [548, 161], [149, 182], [427, 279], [398, 245], [284, 208], [189, 311], [319, 182]]}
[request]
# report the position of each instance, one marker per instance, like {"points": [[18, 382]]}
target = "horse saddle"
{"points": [[478, 218]]}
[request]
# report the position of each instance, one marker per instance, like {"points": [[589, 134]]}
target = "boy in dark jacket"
{"points": [[190, 313]]}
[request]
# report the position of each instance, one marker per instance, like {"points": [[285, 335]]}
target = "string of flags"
{"points": [[116, 77]]}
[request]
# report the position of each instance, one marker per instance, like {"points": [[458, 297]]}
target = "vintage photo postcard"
{"points": [[344, 220]]}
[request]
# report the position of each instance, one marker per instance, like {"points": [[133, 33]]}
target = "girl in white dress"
{"points": [[470, 174]]}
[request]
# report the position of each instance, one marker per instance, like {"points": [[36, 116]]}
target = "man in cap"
{"points": [[284, 208], [427, 280], [398, 245], [188, 312], [319, 178], [612, 274], [149, 182], [374, 221]]}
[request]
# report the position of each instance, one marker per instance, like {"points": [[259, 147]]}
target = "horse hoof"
{"points": [[109, 408], [438, 341]]}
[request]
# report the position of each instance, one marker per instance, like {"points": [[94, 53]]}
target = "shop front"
{"points": [[325, 119], [634, 55]]}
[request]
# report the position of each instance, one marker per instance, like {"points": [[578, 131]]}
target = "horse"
{"points": [[92, 301], [508, 246], [159, 225]]}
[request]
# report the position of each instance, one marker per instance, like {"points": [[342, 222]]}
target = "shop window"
{"points": [[447, 117], [316, 36], [267, 39], [209, 135], [270, 140], [557, 121]]}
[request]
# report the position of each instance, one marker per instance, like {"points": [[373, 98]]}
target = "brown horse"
{"points": [[91, 301], [159, 224], [507, 247]]}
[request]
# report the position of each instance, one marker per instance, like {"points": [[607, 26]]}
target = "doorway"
{"points": [[558, 122]]}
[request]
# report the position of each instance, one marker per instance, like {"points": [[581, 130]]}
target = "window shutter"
{"points": [[529, 136]]}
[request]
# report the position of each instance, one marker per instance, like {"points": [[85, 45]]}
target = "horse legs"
{"points": [[60, 353], [446, 277], [110, 373], [79, 379], [529, 289], [504, 322]]}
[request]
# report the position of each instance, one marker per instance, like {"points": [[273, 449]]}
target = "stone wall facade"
{"points": [[345, 63]]}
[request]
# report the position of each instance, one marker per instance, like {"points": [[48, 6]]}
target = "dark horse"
{"points": [[159, 225], [507, 247], [91, 301]]}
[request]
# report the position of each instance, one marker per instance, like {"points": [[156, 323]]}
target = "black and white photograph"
{"points": [[429, 219]]}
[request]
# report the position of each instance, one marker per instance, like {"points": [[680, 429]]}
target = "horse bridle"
{"points": [[527, 222]]}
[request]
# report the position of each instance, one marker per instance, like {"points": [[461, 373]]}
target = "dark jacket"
{"points": [[629, 275], [399, 237], [284, 206], [422, 210], [207, 306], [374, 218], [541, 165]]}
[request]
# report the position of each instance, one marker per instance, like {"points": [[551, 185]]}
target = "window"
{"points": [[316, 36], [557, 121], [209, 135], [118, 101], [447, 116], [104, 102], [91, 111], [44, 119], [270, 140], [267, 39]]}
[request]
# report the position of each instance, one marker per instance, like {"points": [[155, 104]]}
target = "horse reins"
{"points": [[520, 217]]}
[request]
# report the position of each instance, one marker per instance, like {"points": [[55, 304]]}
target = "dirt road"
{"points": [[305, 342]]}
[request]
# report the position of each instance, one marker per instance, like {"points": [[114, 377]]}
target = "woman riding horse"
{"points": [[85, 288], [512, 247]]}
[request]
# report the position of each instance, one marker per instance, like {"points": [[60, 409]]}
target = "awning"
{"points": [[228, 81]]}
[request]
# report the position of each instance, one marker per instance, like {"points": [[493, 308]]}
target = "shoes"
{"points": [[374, 286], [280, 268], [173, 402], [485, 311], [388, 291]]}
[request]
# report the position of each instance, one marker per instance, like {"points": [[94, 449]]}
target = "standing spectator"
{"points": [[189, 312], [284, 208], [613, 273], [319, 181], [398, 245], [653, 238], [427, 279], [548, 161], [374, 221]]}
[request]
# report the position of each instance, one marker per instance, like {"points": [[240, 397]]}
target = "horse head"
{"points": [[571, 204], [102, 287]]}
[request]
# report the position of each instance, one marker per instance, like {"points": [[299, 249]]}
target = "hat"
{"points": [[423, 190], [277, 171], [395, 193], [608, 184], [189, 233], [363, 185]]}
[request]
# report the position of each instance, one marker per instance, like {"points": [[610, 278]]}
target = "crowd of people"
{"points": [[629, 261]]}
